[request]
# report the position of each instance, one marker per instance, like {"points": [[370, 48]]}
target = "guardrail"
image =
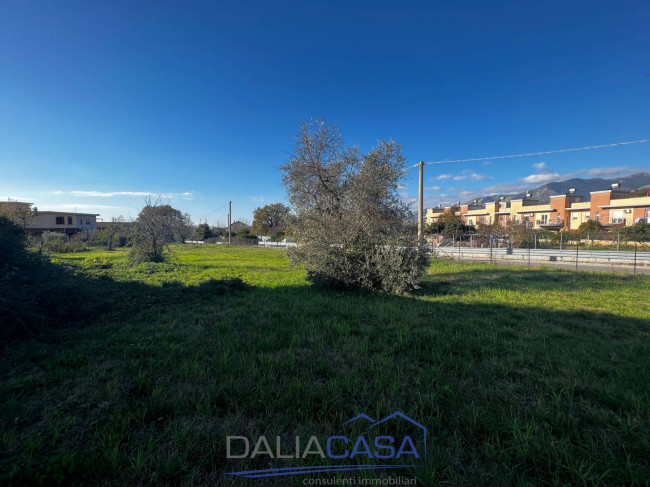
{"points": [[567, 256]]}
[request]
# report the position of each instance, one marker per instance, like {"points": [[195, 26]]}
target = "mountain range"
{"points": [[582, 186]]}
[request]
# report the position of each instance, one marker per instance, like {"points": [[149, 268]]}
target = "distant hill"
{"points": [[582, 186]]}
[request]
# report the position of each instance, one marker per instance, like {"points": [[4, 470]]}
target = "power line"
{"points": [[216, 210], [534, 153]]}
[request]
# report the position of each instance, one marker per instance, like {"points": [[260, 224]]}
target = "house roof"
{"points": [[39, 212]]}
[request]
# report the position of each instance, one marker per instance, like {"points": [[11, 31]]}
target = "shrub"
{"points": [[640, 232], [590, 227], [62, 243], [34, 293]]}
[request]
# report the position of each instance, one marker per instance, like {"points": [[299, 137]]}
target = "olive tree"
{"points": [[350, 224], [155, 227]]}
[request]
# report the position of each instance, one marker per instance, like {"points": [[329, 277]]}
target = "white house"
{"points": [[37, 221]]}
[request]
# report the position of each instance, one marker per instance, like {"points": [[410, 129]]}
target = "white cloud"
{"points": [[433, 188], [541, 178], [111, 194], [546, 176], [443, 176], [504, 188], [603, 172], [541, 166], [472, 175], [402, 186], [72, 206]]}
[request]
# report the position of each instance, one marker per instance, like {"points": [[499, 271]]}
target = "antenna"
{"points": [[528, 194]]}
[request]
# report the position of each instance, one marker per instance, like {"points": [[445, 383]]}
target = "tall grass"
{"points": [[521, 376]]}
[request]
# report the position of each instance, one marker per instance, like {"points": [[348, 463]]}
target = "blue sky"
{"points": [[102, 103]]}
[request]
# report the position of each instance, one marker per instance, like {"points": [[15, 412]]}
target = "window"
{"points": [[587, 215], [617, 217], [60, 220], [647, 216], [598, 216], [574, 215], [69, 220], [87, 220], [544, 219]]}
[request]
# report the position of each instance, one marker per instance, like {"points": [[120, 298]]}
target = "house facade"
{"points": [[564, 212], [36, 221]]}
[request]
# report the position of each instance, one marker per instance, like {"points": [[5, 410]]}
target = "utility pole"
{"points": [[420, 202], [229, 220]]}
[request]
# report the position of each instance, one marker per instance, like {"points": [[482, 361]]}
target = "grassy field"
{"points": [[522, 376]]}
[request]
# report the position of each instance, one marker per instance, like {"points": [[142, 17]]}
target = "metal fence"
{"points": [[575, 255]]}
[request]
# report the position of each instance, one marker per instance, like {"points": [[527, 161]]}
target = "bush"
{"points": [[590, 227], [34, 294], [639, 232], [141, 254], [62, 243]]}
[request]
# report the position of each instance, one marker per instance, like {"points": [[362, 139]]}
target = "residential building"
{"points": [[37, 221], [564, 212]]}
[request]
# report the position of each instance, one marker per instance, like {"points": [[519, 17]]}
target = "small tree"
{"points": [[117, 226], [350, 221], [519, 234], [182, 227], [451, 224], [590, 227], [17, 212], [639, 232], [270, 219], [153, 230], [590, 230], [203, 232]]}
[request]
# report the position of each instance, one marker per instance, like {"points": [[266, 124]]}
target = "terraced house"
{"points": [[563, 212]]}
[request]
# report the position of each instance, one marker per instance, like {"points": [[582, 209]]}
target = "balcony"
{"points": [[550, 224]]}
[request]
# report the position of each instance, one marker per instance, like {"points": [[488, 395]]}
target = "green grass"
{"points": [[522, 376]]}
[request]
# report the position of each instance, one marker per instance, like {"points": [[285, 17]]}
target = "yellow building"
{"points": [[577, 214], [564, 212]]}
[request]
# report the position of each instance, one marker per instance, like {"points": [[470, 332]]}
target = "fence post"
{"points": [[588, 242], [535, 237], [458, 248], [577, 247], [635, 258], [490, 248], [528, 254], [560, 239]]}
